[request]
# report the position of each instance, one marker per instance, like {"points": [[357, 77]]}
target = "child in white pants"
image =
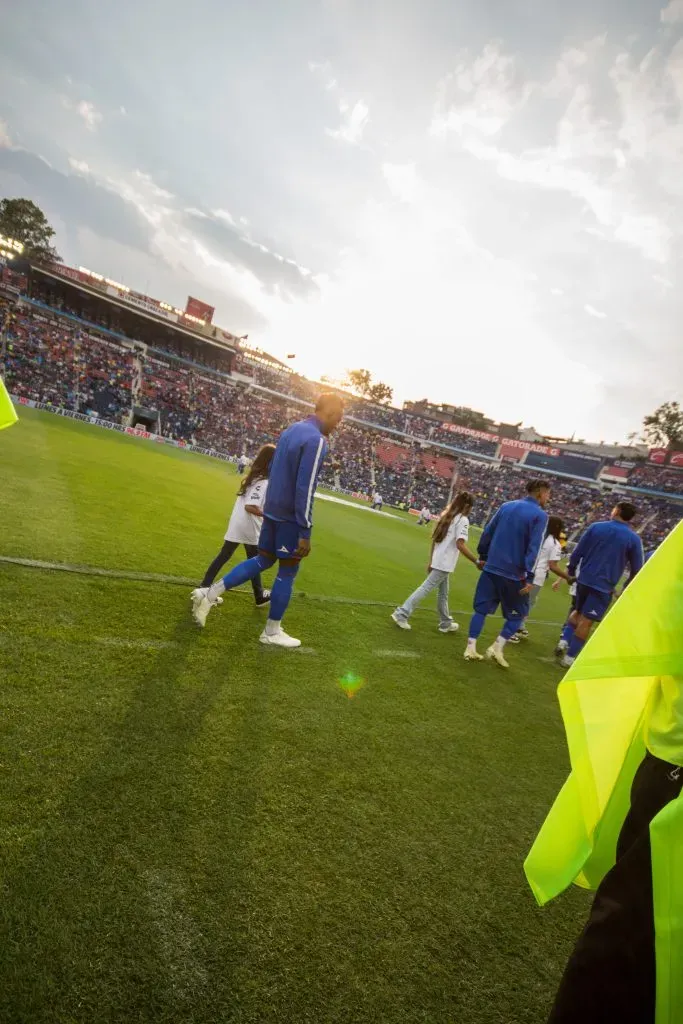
{"points": [[449, 540]]}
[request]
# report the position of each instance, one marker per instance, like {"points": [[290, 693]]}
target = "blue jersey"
{"points": [[512, 539], [605, 550], [294, 474]]}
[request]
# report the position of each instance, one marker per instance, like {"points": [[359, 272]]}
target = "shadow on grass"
{"points": [[96, 923]]}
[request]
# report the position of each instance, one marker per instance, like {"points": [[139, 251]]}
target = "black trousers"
{"points": [[224, 555], [610, 977]]}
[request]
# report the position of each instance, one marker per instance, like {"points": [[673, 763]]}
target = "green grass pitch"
{"points": [[197, 829]]}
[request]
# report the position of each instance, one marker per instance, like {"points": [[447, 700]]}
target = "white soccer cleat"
{"points": [[280, 639], [201, 605], [566, 661], [400, 622], [452, 627], [471, 655], [495, 654]]}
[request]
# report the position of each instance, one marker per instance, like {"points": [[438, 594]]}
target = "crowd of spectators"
{"points": [[57, 362], [658, 478]]}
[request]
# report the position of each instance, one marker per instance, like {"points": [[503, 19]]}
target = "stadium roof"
{"points": [[210, 334]]}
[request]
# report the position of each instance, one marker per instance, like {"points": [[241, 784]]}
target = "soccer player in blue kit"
{"points": [[287, 519], [604, 551], [508, 549]]}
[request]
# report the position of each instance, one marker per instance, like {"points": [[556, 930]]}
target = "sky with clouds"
{"points": [[480, 202]]}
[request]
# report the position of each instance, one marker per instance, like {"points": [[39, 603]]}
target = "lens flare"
{"points": [[350, 683]]}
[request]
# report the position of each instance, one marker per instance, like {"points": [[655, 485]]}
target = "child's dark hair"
{"points": [[461, 502], [555, 527], [260, 468]]}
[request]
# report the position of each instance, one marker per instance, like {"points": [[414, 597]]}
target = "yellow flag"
{"points": [[8, 414], [605, 700]]}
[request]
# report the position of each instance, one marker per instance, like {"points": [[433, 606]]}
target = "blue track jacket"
{"points": [[604, 550], [294, 474], [512, 539]]}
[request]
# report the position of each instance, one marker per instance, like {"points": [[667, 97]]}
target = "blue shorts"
{"points": [[279, 539], [495, 590], [592, 604]]}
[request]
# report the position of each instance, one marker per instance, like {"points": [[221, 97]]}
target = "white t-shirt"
{"points": [[445, 555], [377, 498], [244, 528], [425, 513], [551, 551]]}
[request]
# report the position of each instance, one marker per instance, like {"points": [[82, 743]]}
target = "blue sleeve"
{"points": [[635, 557], [577, 553], [487, 535], [311, 459], [536, 535]]}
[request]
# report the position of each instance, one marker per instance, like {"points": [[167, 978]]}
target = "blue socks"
{"points": [[476, 625], [575, 646], [282, 591], [242, 573], [567, 633]]}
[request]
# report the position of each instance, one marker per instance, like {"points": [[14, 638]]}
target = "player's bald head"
{"points": [[329, 409]]}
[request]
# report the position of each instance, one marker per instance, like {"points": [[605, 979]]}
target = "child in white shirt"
{"points": [[548, 561], [246, 520], [449, 540]]}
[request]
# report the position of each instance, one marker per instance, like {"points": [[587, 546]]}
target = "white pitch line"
{"points": [[186, 581], [145, 645], [396, 654]]}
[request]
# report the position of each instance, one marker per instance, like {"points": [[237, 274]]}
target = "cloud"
{"points": [[481, 94], [86, 110], [354, 120], [224, 215], [354, 114], [5, 140], [79, 166], [90, 114], [602, 160], [76, 200], [592, 311], [672, 14], [402, 181]]}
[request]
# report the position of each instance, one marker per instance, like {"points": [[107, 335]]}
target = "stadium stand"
{"points": [[55, 357]]}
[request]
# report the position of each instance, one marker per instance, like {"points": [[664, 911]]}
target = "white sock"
{"points": [[471, 644], [216, 589], [500, 643], [273, 627]]}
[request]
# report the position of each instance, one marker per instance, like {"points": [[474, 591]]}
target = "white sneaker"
{"points": [[201, 606], [452, 627], [400, 622], [470, 655], [280, 639], [495, 654]]}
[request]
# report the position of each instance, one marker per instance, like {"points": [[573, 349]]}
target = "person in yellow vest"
{"points": [[8, 415], [617, 824]]}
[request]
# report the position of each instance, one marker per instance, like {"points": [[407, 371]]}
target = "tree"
{"points": [[25, 222], [361, 383], [380, 393], [664, 427]]}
